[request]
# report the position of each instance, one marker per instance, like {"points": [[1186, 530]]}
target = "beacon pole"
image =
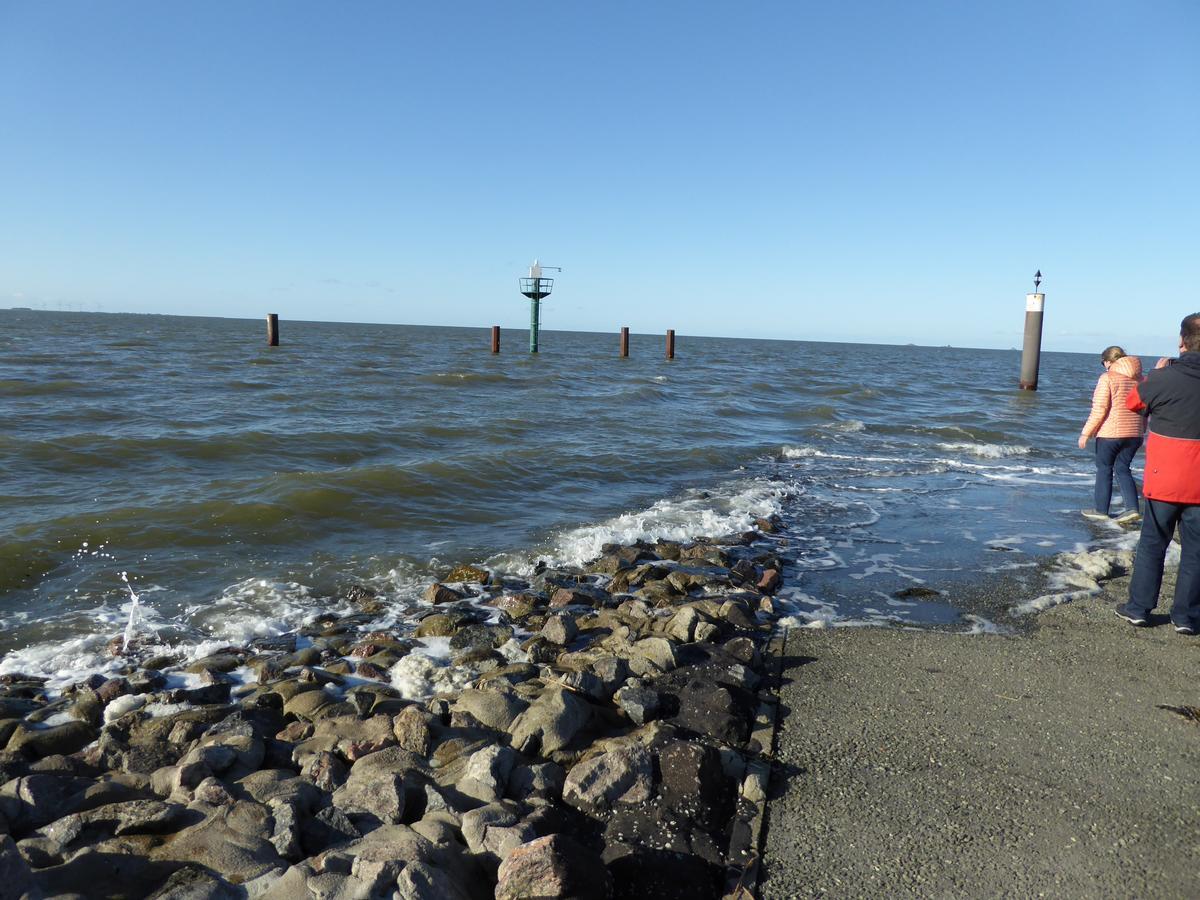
{"points": [[1035, 304], [536, 287]]}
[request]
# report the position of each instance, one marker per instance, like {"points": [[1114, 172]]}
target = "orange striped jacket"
{"points": [[1110, 417]]}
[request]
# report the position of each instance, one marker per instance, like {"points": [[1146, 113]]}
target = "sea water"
{"points": [[241, 487]]}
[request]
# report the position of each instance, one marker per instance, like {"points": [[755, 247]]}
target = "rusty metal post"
{"points": [[670, 343], [272, 329], [624, 341], [495, 338]]}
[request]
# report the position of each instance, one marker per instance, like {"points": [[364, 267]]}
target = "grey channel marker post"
{"points": [[1031, 355], [272, 329]]}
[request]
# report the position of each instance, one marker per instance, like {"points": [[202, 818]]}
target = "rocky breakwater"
{"points": [[600, 746]]}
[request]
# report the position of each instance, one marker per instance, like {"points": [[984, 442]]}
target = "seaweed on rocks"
{"points": [[586, 732]]}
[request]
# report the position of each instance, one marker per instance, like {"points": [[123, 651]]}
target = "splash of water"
{"points": [[131, 625]]}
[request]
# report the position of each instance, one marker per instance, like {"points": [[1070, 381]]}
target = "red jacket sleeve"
{"points": [[1134, 402]]}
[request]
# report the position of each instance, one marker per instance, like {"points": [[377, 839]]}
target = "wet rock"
{"points": [[611, 670], [640, 872], [516, 673], [553, 866], [584, 682], [540, 650], [411, 728], [487, 773], [769, 582], [560, 629], [419, 881], [308, 704], [438, 593], [436, 626], [17, 707], [550, 722], [494, 709], [621, 776], [468, 575], [361, 595], [718, 711], [231, 842], [495, 830], [542, 781], [217, 662], [694, 783], [682, 626], [744, 650], [518, 606], [58, 739], [638, 702], [15, 876], [916, 591], [380, 794], [194, 883], [476, 637], [32, 801], [657, 593], [660, 652], [328, 828], [325, 770]]}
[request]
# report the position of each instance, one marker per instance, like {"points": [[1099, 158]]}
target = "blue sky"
{"points": [[882, 172]]}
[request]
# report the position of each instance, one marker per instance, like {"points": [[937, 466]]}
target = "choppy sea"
{"points": [[236, 488]]}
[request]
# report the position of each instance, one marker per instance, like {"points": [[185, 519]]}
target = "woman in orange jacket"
{"points": [[1118, 433]]}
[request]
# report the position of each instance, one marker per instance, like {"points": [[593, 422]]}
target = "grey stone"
{"points": [[66, 738], [231, 842], [550, 721], [553, 866], [560, 629], [487, 773], [193, 883], [410, 727], [621, 776], [420, 881], [638, 702], [493, 709], [541, 780], [15, 876], [659, 651], [493, 831]]}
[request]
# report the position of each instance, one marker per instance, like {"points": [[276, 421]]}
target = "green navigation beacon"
{"points": [[535, 287]]}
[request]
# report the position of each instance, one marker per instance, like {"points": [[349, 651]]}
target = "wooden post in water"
{"points": [[495, 338], [272, 329], [670, 343], [624, 341]]}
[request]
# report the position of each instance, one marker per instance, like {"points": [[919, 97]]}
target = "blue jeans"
{"points": [[1115, 454], [1159, 522]]}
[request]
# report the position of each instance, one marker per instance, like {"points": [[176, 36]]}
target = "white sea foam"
{"points": [[1077, 574], [714, 513], [986, 451]]}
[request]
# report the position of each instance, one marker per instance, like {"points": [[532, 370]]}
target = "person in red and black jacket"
{"points": [[1170, 397]]}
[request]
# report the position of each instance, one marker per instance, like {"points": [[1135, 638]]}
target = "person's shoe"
{"points": [[1130, 515], [1135, 619], [1094, 514], [1185, 629]]}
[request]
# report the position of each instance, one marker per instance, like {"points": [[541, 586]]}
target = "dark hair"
{"points": [[1189, 332], [1111, 354]]}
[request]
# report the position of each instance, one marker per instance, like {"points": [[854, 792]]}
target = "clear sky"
{"points": [[865, 171]]}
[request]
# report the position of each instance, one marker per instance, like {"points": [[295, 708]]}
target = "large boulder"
{"points": [[232, 841], [624, 775], [553, 866], [550, 722]]}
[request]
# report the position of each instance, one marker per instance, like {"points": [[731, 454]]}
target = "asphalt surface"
{"points": [[930, 764]]}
